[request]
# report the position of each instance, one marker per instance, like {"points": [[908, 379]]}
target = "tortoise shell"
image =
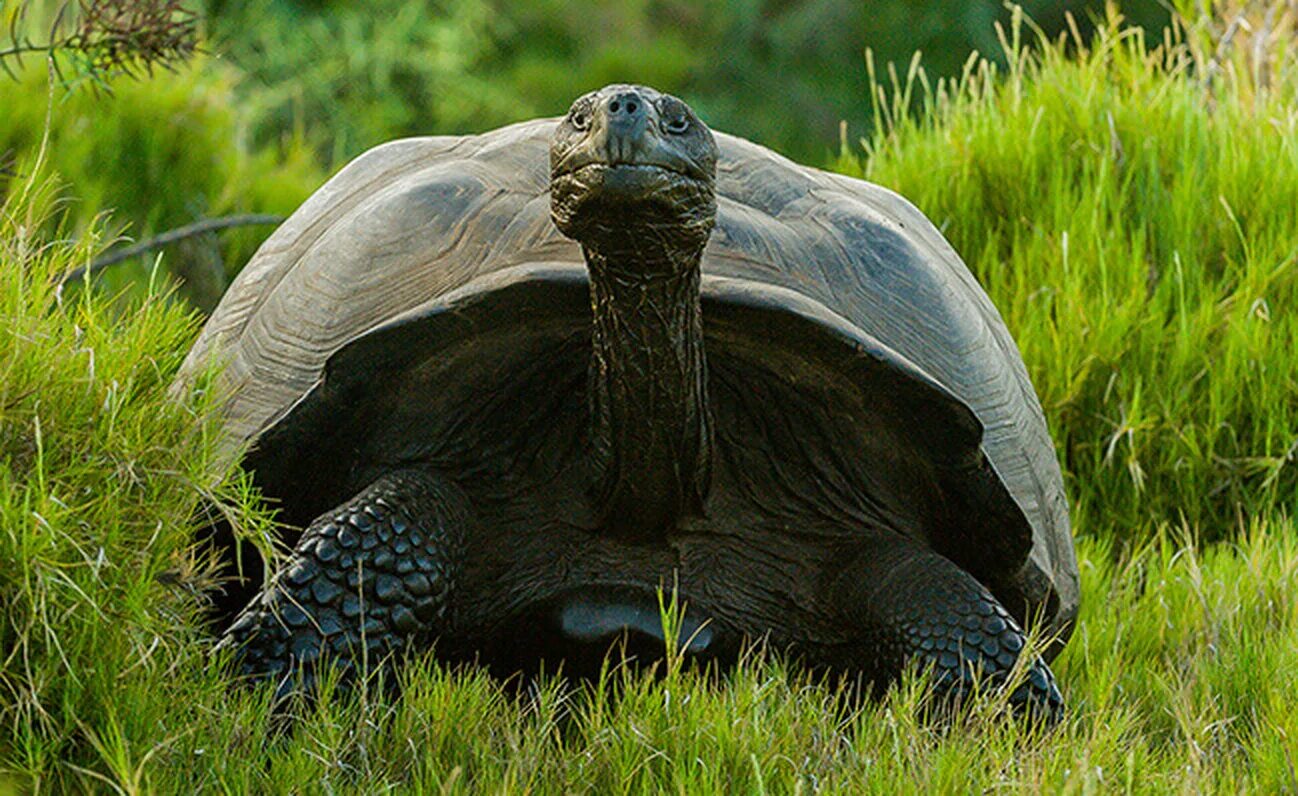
{"points": [[427, 259]]}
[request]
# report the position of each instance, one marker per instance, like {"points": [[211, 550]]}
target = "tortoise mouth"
{"points": [[598, 200], [596, 166], [626, 182]]}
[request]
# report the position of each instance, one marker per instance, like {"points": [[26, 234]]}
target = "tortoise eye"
{"points": [[676, 125], [580, 119]]}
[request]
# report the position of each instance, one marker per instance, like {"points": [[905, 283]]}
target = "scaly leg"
{"points": [[364, 580], [909, 603]]}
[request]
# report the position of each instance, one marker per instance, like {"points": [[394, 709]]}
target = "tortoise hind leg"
{"points": [[909, 603], [364, 580]]}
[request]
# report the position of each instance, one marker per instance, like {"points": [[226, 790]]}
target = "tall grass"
{"points": [[1131, 211], [1158, 328], [159, 154], [99, 474]]}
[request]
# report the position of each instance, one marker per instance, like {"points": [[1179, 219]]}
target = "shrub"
{"points": [[159, 153], [1131, 213], [348, 77]]}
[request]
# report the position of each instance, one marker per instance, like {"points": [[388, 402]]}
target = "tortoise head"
{"points": [[629, 162]]}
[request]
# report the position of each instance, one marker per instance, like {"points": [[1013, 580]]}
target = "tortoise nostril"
{"points": [[626, 115], [627, 105]]}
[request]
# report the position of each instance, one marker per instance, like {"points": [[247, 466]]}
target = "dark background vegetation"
{"points": [[283, 92], [782, 72]]}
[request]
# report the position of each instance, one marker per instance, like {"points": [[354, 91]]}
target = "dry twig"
{"points": [[108, 37]]}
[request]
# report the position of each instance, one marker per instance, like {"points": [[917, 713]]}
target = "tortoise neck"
{"points": [[649, 403]]}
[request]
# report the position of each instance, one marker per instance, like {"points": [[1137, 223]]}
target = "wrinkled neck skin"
{"points": [[649, 404]]}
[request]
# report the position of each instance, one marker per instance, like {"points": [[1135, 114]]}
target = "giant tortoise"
{"points": [[514, 384]]}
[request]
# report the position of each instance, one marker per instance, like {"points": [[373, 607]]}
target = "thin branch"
{"points": [[22, 49], [109, 37], [166, 239]]}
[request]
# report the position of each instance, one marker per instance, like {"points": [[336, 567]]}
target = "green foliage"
{"points": [[100, 474], [104, 38], [166, 152], [348, 76], [783, 73], [1135, 225]]}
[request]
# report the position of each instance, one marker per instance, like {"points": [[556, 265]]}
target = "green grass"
{"points": [[156, 154], [1137, 229], [413, 67], [1147, 267]]}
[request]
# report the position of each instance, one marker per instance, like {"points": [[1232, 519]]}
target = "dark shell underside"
{"points": [[820, 444]]}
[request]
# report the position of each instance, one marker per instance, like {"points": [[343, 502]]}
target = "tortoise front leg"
{"points": [[364, 580], [903, 602]]}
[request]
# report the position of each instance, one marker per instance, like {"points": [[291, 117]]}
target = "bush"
{"points": [[783, 73], [159, 153], [100, 477], [1134, 222], [348, 77]]}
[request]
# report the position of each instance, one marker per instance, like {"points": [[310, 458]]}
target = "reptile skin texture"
{"points": [[917, 606], [364, 580]]}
